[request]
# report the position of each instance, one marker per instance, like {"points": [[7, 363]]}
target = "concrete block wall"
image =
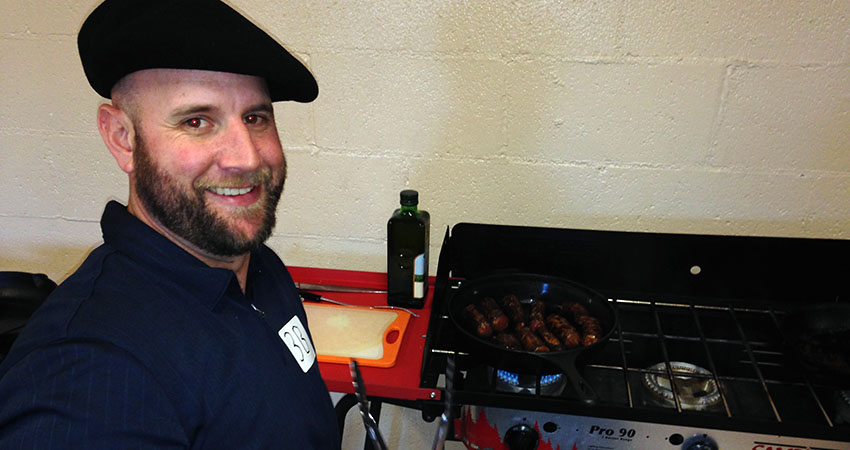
{"points": [[719, 118], [722, 117]]}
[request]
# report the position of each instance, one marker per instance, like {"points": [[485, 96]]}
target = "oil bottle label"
{"points": [[419, 276]]}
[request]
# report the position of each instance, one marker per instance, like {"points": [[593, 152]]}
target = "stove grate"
{"points": [[741, 347]]}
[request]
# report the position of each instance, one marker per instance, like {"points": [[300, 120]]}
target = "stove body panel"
{"points": [[485, 428]]}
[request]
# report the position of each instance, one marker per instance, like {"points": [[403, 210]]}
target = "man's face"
{"points": [[208, 165]]}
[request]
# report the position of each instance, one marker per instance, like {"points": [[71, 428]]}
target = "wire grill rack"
{"points": [[761, 386]]}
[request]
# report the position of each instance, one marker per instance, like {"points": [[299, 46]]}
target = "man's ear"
{"points": [[118, 134]]}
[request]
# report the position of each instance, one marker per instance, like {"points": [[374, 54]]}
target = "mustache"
{"points": [[261, 177]]}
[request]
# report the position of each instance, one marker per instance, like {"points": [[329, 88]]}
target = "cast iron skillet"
{"points": [[553, 291], [819, 336]]}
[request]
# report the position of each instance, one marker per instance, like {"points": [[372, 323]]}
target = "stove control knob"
{"points": [[700, 442], [702, 446], [522, 437]]}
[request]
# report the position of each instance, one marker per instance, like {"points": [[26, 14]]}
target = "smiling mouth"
{"points": [[231, 192]]}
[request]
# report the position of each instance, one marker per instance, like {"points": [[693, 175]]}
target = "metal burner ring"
{"points": [[695, 393]]}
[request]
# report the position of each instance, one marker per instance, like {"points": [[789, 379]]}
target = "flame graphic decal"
{"points": [[479, 432]]}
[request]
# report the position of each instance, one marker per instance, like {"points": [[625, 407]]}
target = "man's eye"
{"points": [[253, 119], [194, 122]]}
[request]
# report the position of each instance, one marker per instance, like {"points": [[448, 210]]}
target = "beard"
{"points": [[186, 213]]}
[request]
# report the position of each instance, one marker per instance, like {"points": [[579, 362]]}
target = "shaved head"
{"points": [[124, 97]]}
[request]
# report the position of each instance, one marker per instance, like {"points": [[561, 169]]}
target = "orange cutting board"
{"points": [[371, 336]]}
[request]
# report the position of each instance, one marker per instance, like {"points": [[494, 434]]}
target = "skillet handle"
{"points": [[580, 385]]}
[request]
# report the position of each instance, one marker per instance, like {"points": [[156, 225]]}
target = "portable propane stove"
{"points": [[698, 359]]}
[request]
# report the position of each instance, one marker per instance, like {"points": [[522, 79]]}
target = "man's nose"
{"points": [[239, 150]]}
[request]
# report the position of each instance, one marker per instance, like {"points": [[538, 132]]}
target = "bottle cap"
{"points": [[409, 197]]}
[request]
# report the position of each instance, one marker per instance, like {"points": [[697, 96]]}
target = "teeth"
{"points": [[232, 191]]}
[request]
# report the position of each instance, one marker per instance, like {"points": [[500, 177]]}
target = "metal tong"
{"points": [[337, 288], [445, 418], [372, 430], [313, 297]]}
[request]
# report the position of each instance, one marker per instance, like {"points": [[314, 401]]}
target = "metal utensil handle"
{"points": [[375, 434], [445, 418], [372, 430], [310, 296], [337, 288]]}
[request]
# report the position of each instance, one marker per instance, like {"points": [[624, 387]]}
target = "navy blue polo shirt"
{"points": [[145, 347]]}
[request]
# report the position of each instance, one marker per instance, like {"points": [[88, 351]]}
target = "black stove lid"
{"points": [[659, 265]]}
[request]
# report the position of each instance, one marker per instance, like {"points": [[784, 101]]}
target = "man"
{"points": [[182, 330]]}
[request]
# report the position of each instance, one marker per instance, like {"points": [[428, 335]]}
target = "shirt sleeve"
{"points": [[85, 395]]}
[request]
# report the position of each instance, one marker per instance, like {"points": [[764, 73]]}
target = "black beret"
{"points": [[123, 36]]}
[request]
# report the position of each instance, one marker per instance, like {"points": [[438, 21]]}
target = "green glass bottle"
{"points": [[407, 253]]}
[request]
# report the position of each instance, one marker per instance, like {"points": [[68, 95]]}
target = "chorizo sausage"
{"points": [[591, 329], [549, 339], [530, 341], [513, 308], [481, 324], [497, 317], [508, 340], [556, 321], [589, 325], [564, 330], [575, 309], [535, 317], [589, 339]]}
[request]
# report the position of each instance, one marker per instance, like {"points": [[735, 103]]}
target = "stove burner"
{"points": [[698, 393], [527, 384]]}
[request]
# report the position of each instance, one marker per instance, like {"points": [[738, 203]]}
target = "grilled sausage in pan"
{"points": [[479, 322], [530, 341], [591, 329], [535, 317], [589, 325], [513, 308], [497, 317], [589, 339], [562, 328], [508, 340], [575, 309], [549, 339]]}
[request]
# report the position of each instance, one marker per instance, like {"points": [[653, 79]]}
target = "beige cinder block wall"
{"points": [[722, 117]]}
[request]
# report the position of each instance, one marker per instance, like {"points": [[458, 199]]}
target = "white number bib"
{"points": [[294, 335]]}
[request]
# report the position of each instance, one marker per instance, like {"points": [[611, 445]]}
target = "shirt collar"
{"points": [[138, 241]]}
